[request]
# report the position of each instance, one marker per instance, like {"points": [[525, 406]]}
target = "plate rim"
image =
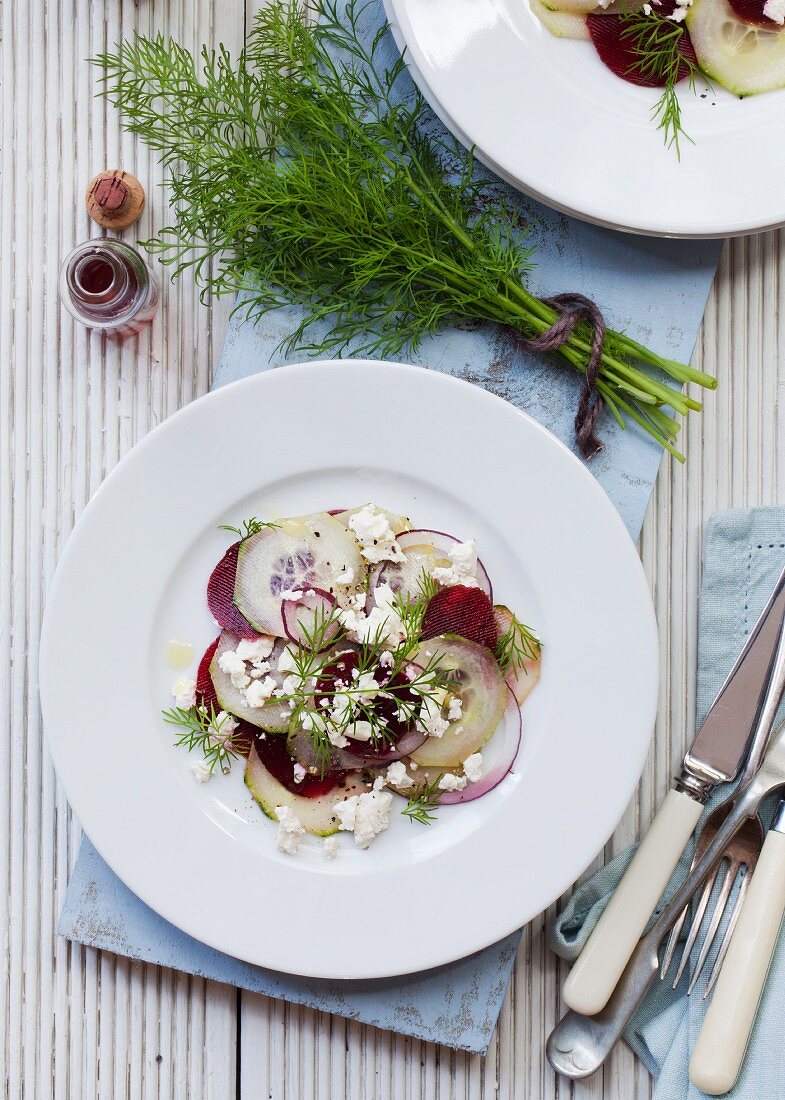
{"points": [[260, 379]]}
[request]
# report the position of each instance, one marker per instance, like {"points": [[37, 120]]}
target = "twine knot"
{"points": [[572, 309]]}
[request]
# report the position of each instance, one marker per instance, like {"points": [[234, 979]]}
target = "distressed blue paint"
{"points": [[655, 290]]}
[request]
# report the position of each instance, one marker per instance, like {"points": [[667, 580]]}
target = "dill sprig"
{"points": [[248, 527], [657, 43], [517, 645], [424, 802], [407, 686], [206, 729], [301, 173]]}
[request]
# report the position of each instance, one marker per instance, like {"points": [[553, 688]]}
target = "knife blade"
{"points": [[717, 755]]}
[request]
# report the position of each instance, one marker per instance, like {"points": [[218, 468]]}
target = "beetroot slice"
{"points": [[464, 611], [205, 690], [275, 757], [617, 51], [220, 596], [751, 11]]}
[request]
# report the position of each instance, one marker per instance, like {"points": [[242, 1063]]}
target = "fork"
{"points": [[739, 860]]}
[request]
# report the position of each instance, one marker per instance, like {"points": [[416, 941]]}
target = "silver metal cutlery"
{"points": [[715, 756], [580, 1043]]}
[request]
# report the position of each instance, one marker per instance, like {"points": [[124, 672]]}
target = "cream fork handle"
{"points": [[722, 1042], [599, 966]]}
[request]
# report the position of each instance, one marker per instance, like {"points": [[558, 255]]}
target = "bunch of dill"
{"points": [[299, 174]]}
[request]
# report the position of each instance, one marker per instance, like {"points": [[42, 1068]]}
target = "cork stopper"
{"points": [[115, 199]]}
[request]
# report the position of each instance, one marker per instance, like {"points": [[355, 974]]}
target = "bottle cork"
{"points": [[115, 199]]}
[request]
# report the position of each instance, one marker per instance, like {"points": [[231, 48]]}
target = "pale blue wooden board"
{"points": [[656, 291]]}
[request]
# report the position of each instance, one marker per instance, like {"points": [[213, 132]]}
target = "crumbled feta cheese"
{"points": [[234, 666], [184, 691], [472, 767], [256, 650], [398, 776], [647, 9], [413, 765], [342, 709], [455, 710], [286, 661], [679, 14], [430, 719], [331, 846], [222, 728], [386, 659], [346, 577], [290, 830], [366, 815], [362, 731], [299, 773], [201, 771], [462, 568], [259, 691], [294, 595], [291, 686], [775, 10], [382, 621], [374, 534], [450, 782], [367, 686]]}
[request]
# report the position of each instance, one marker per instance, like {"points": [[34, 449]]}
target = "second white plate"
{"points": [[548, 117]]}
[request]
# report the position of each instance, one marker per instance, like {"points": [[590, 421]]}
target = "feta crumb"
{"points": [[386, 659], [430, 719], [255, 650], [346, 577], [374, 534], [382, 621], [775, 10], [290, 830], [201, 771], [456, 709], [331, 846], [184, 691], [450, 782], [362, 731], [286, 661], [366, 815], [472, 767], [259, 691], [299, 773], [367, 686], [462, 568], [413, 765], [647, 9], [398, 776], [234, 666], [222, 728], [293, 595]]}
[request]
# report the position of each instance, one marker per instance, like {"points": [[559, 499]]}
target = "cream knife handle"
{"points": [[607, 951], [722, 1042]]}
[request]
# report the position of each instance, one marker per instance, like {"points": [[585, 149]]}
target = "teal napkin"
{"points": [[744, 554]]}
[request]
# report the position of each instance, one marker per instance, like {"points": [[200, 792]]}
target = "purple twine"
{"points": [[572, 309]]}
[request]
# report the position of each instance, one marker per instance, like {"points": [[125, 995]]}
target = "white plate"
{"points": [[548, 117], [328, 435]]}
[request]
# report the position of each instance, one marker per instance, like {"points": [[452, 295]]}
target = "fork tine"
{"points": [[723, 951], [697, 919], [714, 923], [673, 939]]}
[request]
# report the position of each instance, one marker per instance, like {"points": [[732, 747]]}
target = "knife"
{"points": [[725, 1032], [715, 756]]}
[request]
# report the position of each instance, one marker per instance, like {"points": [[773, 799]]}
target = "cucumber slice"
{"points": [[742, 57], [482, 691], [562, 24], [273, 716], [302, 552], [315, 814], [521, 681]]}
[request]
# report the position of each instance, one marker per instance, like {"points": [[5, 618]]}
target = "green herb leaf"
{"points": [[423, 803], [248, 527], [517, 645]]}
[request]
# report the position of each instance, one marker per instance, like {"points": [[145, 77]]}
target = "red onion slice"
{"points": [[408, 743], [443, 542], [511, 730], [302, 613]]}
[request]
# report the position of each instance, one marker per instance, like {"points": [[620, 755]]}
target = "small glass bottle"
{"points": [[107, 286]]}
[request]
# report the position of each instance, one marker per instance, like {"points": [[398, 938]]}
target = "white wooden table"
{"points": [[81, 1024]]}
